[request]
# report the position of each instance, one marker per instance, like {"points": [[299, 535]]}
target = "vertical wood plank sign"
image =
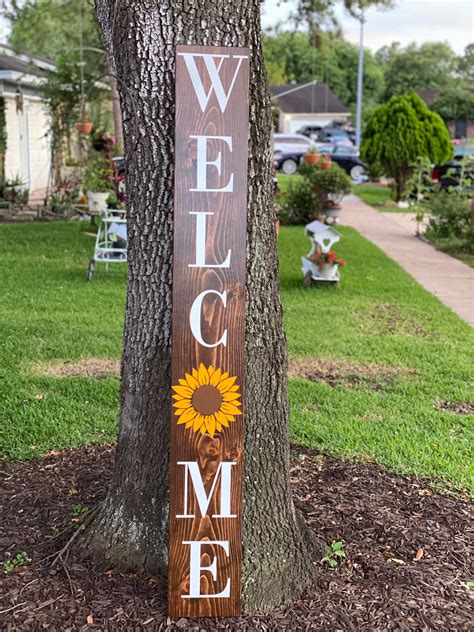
{"points": [[208, 328]]}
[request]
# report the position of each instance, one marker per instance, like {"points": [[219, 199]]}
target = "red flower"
{"points": [[332, 256]]}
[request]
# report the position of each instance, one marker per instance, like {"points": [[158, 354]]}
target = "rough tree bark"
{"points": [[132, 524]]}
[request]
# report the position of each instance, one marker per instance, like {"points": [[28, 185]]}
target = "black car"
{"points": [[345, 157], [449, 174]]}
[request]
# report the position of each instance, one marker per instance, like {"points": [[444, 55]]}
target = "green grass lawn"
{"points": [[378, 196], [377, 316]]}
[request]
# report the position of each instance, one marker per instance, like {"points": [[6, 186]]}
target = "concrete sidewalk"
{"points": [[447, 278]]}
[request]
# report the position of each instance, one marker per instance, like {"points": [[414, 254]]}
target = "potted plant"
{"points": [[98, 183], [326, 264], [312, 157], [325, 162], [15, 190], [84, 126], [328, 186], [103, 141]]}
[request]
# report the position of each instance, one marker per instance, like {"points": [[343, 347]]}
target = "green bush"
{"points": [[307, 196], [450, 214], [297, 204], [399, 132]]}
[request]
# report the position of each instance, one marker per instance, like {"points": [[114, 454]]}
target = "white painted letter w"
{"points": [[213, 71]]}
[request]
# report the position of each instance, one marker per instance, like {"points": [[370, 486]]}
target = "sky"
{"points": [[410, 21]]}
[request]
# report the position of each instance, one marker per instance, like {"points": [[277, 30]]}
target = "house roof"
{"points": [[307, 98], [22, 69], [430, 94]]}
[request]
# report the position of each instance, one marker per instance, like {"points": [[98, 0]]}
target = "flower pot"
{"points": [[83, 127], [325, 163], [97, 202], [311, 159], [328, 271], [332, 211]]}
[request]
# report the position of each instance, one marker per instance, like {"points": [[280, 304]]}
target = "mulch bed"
{"points": [[407, 553]]}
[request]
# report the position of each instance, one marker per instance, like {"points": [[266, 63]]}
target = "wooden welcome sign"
{"points": [[208, 331]]}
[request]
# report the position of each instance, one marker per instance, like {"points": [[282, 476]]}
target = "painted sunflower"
{"points": [[207, 400]]}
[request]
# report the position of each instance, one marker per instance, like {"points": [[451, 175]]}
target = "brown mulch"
{"points": [[407, 553], [460, 408], [336, 372], [86, 367]]}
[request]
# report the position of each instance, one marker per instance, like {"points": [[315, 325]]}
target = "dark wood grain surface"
{"points": [[226, 230]]}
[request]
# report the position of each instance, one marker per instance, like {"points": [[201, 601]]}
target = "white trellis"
{"points": [[322, 238]]}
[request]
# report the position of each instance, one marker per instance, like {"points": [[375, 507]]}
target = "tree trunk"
{"points": [[132, 525]]}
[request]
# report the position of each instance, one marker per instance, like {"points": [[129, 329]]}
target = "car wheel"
{"points": [[289, 166], [357, 172]]}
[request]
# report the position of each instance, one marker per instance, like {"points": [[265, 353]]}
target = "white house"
{"points": [[27, 126], [312, 103]]}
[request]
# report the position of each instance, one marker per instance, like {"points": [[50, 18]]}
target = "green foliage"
{"points": [[290, 56], [410, 69], [334, 553], [450, 215], [78, 510], [20, 559], [296, 205], [400, 132], [98, 174], [306, 196], [454, 102], [52, 28], [466, 65]]}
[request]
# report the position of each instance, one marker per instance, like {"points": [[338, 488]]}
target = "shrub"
{"points": [[307, 196], [399, 132], [297, 204], [450, 214]]}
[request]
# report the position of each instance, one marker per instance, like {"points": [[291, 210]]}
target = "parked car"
{"points": [[310, 131], [345, 157], [448, 175], [335, 136], [292, 142]]}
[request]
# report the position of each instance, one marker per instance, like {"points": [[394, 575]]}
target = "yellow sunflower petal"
{"points": [[211, 424], [230, 409], [184, 391], [225, 385], [234, 388], [230, 397], [222, 419], [218, 426], [183, 382], [195, 373], [210, 370], [203, 429], [198, 423], [187, 415], [190, 423], [203, 375], [192, 381], [216, 376], [183, 403]]}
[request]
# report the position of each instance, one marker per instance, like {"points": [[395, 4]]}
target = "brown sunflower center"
{"points": [[207, 400]]}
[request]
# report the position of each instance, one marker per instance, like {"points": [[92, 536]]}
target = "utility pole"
{"points": [[360, 76]]}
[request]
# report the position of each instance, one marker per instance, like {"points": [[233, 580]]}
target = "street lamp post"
{"points": [[360, 75]]}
